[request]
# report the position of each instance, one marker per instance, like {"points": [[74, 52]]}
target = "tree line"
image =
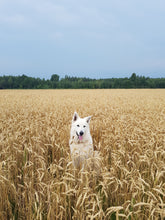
{"points": [[26, 82]]}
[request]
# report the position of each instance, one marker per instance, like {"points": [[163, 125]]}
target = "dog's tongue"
{"points": [[80, 138]]}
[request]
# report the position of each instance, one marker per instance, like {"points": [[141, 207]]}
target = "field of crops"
{"points": [[37, 178]]}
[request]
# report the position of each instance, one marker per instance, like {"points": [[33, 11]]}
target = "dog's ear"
{"points": [[75, 117], [88, 119]]}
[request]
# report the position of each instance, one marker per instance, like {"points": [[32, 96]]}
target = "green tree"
{"points": [[55, 78], [54, 81], [133, 77]]}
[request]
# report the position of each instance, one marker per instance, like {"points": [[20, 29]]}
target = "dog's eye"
{"points": [[78, 125], [84, 126]]}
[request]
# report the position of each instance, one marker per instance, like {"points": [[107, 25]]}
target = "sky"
{"points": [[85, 38]]}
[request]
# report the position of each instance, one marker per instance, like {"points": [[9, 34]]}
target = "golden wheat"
{"points": [[37, 179]]}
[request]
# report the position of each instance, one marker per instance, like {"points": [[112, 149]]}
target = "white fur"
{"points": [[81, 146]]}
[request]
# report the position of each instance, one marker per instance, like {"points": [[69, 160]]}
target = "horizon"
{"points": [[128, 77]]}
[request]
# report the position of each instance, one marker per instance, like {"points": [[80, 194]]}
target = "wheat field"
{"points": [[37, 178]]}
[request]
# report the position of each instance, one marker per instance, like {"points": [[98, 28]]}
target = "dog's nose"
{"points": [[81, 133]]}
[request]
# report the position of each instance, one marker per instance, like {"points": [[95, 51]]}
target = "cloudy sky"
{"points": [[87, 38]]}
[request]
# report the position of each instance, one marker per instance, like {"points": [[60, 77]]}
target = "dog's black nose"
{"points": [[81, 133]]}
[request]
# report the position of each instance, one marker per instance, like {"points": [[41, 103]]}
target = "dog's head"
{"points": [[80, 127]]}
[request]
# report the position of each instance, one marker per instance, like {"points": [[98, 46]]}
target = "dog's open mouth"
{"points": [[80, 137]]}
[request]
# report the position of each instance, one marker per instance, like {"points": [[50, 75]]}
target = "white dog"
{"points": [[81, 145]]}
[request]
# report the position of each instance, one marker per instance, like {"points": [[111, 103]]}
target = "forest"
{"points": [[26, 82]]}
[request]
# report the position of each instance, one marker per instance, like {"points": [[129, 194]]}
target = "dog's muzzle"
{"points": [[80, 135]]}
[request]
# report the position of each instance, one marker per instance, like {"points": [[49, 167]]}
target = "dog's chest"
{"points": [[81, 148]]}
